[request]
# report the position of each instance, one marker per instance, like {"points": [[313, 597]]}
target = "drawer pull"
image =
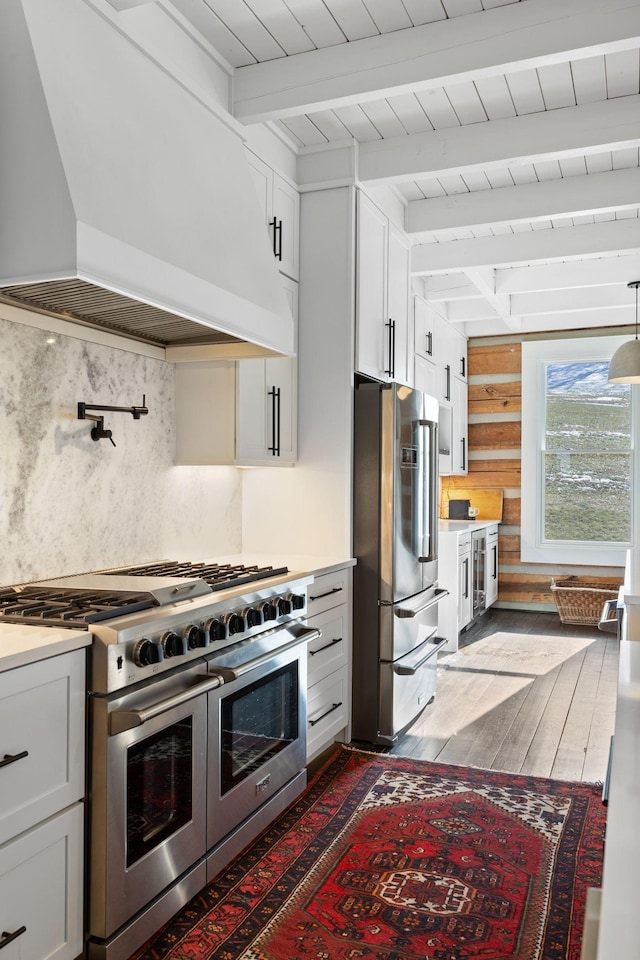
{"points": [[6, 760], [8, 937], [327, 594], [335, 706], [327, 646]]}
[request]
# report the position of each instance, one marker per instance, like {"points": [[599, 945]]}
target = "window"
{"points": [[578, 458]]}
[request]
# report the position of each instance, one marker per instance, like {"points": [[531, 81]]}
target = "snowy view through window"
{"points": [[587, 459]]}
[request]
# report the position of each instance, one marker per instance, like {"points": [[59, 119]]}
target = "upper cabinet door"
{"points": [[285, 221], [382, 341], [372, 343], [280, 202], [267, 405], [398, 302]]}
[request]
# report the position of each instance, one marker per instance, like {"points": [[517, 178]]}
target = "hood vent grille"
{"points": [[95, 306]]}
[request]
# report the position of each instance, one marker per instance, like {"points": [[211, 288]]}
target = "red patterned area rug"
{"points": [[389, 858]]}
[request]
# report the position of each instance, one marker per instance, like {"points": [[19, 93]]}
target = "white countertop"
{"points": [[464, 526], [21, 644]]}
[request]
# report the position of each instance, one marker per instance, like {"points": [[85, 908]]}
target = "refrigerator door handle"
{"points": [[408, 611], [428, 481], [409, 669]]}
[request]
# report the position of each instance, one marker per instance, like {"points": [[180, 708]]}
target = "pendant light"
{"points": [[625, 363]]}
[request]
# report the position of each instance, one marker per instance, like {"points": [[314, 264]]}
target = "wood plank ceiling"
{"points": [[509, 128]]}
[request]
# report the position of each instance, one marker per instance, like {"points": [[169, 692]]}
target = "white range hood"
{"points": [[124, 201]]}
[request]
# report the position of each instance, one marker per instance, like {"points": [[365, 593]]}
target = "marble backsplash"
{"points": [[69, 504]]}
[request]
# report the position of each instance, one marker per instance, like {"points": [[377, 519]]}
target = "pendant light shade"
{"points": [[625, 363]]}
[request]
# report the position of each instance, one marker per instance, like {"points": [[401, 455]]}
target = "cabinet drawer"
{"points": [[41, 889], [464, 543], [329, 590], [42, 727], [327, 711], [329, 652]]}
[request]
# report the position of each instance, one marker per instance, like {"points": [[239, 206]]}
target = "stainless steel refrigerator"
{"points": [[396, 593]]}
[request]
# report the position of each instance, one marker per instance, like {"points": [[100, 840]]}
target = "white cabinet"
{"points": [[440, 369], [491, 566], [267, 405], [455, 574], [459, 428], [465, 575], [41, 813], [243, 413], [266, 422], [426, 341], [280, 202], [328, 661], [382, 298], [465, 594]]}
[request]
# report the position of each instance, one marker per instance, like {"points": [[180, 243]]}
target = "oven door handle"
{"points": [[228, 674], [121, 720]]}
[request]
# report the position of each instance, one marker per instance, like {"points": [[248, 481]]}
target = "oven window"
{"points": [[257, 722], [159, 787]]}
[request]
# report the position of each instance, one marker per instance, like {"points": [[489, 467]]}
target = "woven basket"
{"points": [[581, 602]]}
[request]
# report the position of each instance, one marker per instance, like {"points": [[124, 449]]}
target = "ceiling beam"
{"points": [[484, 280], [581, 319], [559, 134], [607, 237], [529, 202], [566, 301], [448, 287], [565, 276], [477, 45]]}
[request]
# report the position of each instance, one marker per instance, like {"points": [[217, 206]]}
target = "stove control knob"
{"points": [[195, 637], [268, 610], [297, 601], [146, 652], [236, 623], [173, 645], [216, 630], [252, 616], [284, 606]]}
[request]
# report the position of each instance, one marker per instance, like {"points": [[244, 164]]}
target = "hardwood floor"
{"points": [[525, 693]]}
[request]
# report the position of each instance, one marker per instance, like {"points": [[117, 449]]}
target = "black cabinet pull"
{"points": [[430, 343], [465, 563], [333, 590], [274, 393], [335, 706], [276, 226], [391, 346], [11, 758], [393, 356], [7, 938], [447, 392], [463, 367], [327, 646], [495, 562], [463, 441]]}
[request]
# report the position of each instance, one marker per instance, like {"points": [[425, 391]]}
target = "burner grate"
{"points": [[64, 608], [218, 576]]}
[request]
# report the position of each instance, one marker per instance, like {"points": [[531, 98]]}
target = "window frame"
{"points": [[533, 548]]}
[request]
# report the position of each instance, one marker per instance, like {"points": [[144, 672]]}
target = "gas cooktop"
{"points": [[77, 602]]}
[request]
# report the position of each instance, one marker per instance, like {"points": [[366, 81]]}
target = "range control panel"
{"points": [[133, 648]]}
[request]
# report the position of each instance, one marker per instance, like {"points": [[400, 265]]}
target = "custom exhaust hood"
{"points": [[125, 202]]}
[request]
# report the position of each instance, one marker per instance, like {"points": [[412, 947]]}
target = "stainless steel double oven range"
{"points": [[197, 714]]}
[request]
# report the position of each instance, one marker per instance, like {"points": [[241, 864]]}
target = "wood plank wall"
{"points": [[495, 409]]}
